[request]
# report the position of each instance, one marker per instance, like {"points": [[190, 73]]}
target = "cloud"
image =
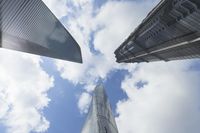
{"points": [[99, 31], [167, 102], [118, 23], [84, 102], [80, 3], [23, 92]]}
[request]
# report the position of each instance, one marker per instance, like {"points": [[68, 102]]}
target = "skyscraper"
{"points": [[171, 31], [100, 118], [29, 26]]}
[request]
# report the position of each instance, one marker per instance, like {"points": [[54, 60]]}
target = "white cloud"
{"points": [[169, 102], [115, 24], [118, 19], [80, 3], [109, 25], [23, 92], [84, 102]]}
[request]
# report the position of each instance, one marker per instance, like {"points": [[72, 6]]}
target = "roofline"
{"points": [[147, 18]]}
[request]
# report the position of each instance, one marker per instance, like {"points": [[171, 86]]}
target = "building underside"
{"points": [[29, 26], [171, 31]]}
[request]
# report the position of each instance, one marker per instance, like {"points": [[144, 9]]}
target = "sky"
{"points": [[45, 95]]}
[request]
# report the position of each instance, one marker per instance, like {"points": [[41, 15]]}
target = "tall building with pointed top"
{"points": [[100, 118], [171, 31], [29, 26]]}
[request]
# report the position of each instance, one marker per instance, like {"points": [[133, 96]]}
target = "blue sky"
{"points": [[46, 95]]}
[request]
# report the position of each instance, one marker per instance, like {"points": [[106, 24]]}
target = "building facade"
{"points": [[171, 31], [29, 26], [100, 118]]}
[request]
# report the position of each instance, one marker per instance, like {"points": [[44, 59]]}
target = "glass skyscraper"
{"points": [[29, 26], [171, 31], [100, 118]]}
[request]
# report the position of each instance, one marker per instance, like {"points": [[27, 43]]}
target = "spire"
{"points": [[100, 118]]}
